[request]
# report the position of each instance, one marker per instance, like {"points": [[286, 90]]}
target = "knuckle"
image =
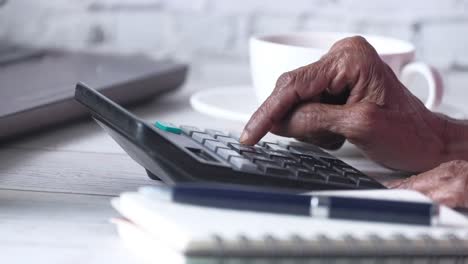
{"points": [[354, 41], [305, 74], [366, 115], [363, 120], [359, 40], [312, 118], [354, 56], [285, 78]]}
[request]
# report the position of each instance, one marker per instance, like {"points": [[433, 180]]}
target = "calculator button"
{"points": [[329, 173], [323, 167], [302, 172], [188, 130], [271, 168], [346, 170], [235, 135], [327, 161], [304, 147], [362, 177], [274, 146], [215, 133], [241, 148], [243, 164], [339, 179], [369, 184], [284, 161], [213, 144], [260, 144], [226, 140], [274, 153], [226, 153], [201, 137], [296, 167], [255, 156], [312, 163], [309, 176], [353, 177], [335, 162], [334, 177], [307, 151], [168, 127]]}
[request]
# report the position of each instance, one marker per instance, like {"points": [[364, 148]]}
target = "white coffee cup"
{"points": [[271, 55]]}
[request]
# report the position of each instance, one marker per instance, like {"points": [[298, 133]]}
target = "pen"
{"points": [[320, 206]]}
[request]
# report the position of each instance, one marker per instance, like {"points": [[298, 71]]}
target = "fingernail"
{"points": [[244, 137]]}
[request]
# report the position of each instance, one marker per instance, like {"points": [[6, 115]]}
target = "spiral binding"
{"points": [[448, 248]]}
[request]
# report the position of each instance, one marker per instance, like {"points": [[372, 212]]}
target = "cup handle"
{"points": [[433, 78]]}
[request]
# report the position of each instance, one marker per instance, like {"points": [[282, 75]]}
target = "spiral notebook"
{"points": [[178, 233]]}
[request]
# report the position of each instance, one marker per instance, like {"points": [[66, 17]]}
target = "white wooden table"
{"points": [[55, 186]]}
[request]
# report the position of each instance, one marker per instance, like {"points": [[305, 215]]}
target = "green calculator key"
{"points": [[168, 127]]}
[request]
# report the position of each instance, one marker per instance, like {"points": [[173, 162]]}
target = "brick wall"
{"points": [[217, 30]]}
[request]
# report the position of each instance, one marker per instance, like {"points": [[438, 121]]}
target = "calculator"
{"points": [[187, 154]]}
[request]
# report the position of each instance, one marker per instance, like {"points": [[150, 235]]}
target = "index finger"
{"points": [[291, 88]]}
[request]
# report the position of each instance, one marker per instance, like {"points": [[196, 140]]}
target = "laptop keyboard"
{"points": [[276, 159]]}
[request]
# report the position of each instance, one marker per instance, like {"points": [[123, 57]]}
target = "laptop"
{"points": [[37, 85]]}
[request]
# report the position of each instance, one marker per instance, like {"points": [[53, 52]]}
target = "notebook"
{"points": [[158, 229]]}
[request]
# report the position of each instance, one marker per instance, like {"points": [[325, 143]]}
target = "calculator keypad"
{"points": [[225, 153], [243, 164], [270, 159], [201, 137], [213, 145]]}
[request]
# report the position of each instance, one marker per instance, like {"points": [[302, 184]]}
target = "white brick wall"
{"points": [[276, 7], [219, 29], [445, 43]]}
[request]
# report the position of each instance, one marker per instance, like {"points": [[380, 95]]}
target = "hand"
{"points": [[446, 184], [350, 93]]}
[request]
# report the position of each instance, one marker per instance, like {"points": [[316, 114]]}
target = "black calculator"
{"points": [[187, 154]]}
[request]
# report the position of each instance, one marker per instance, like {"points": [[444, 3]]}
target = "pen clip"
{"points": [[319, 207]]}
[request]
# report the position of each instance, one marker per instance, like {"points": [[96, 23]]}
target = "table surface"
{"points": [[55, 186]]}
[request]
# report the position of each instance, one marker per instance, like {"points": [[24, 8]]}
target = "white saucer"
{"points": [[237, 103]]}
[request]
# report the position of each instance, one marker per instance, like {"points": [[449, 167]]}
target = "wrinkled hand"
{"points": [[350, 93], [446, 184]]}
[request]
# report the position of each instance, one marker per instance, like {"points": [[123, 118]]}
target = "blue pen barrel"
{"points": [[258, 201], [378, 210], [331, 207]]}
